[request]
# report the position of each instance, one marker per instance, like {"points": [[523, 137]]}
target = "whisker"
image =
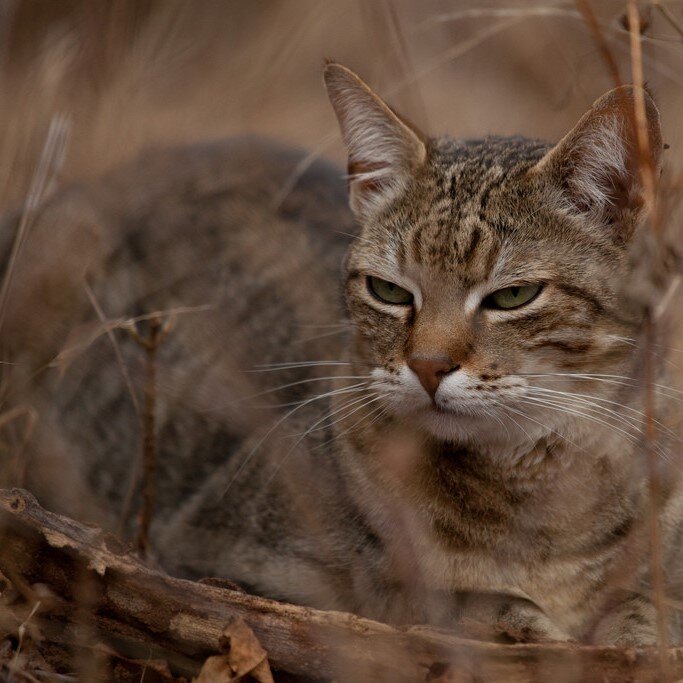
{"points": [[590, 400], [356, 237], [636, 344], [517, 423], [591, 410], [621, 380], [522, 414], [574, 411], [337, 392], [250, 455], [320, 423], [314, 427], [289, 385], [346, 330], [492, 415], [270, 367], [376, 414], [378, 411]]}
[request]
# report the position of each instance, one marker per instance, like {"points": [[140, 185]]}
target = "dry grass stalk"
{"points": [[646, 165], [115, 346], [51, 160], [593, 25], [668, 15], [21, 632], [649, 180], [410, 77], [18, 466]]}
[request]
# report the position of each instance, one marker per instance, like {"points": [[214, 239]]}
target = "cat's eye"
{"points": [[512, 297], [388, 292]]}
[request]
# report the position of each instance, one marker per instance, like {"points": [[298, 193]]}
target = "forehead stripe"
{"points": [[475, 238], [584, 295]]}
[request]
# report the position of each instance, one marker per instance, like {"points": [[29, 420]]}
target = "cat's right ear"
{"points": [[383, 150]]}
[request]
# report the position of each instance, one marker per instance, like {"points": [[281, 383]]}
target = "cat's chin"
{"points": [[461, 424], [467, 424]]}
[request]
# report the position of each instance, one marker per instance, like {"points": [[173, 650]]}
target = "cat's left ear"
{"points": [[383, 149], [596, 165]]}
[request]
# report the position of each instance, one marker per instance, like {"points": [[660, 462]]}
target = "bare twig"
{"points": [[591, 21], [150, 343], [144, 612]]}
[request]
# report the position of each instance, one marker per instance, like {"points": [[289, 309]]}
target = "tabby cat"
{"points": [[457, 438]]}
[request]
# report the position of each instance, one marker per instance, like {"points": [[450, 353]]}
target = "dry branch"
{"points": [[145, 614]]}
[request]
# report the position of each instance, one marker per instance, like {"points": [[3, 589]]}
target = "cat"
{"points": [[419, 409]]}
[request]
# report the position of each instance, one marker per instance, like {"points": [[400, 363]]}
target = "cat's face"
{"points": [[487, 276], [494, 281]]}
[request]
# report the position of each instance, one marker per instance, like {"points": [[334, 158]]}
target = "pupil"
{"points": [[515, 291]]}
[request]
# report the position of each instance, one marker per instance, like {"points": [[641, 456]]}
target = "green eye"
{"points": [[388, 292], [512, 297]]}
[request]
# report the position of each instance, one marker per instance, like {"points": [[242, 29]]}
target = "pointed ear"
{"points": [[596, 164], [383, 150]]}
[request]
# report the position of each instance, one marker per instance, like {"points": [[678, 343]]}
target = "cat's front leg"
{"points": [[515, 618], [632, 623]]}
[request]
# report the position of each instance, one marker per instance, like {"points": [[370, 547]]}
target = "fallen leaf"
{"points": [[242, 656]]}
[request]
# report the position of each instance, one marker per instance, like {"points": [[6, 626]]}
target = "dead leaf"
{"points": [[242, 656]]}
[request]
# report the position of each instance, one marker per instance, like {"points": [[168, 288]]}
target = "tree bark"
{"points": [[143, 613]]}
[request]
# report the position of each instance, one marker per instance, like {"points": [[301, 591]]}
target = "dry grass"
{"points": [[128, 74]]}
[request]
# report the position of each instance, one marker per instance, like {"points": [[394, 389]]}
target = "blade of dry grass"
{"points": [[591, 21], [115, 346], [647, 173], [18, 467], [668, 16], [52, 158]]}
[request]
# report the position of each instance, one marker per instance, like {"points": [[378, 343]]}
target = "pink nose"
{"points": [[431, 370]]}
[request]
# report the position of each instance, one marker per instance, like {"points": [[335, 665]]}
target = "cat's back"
{"points": [[154, 228], [238, 244]]}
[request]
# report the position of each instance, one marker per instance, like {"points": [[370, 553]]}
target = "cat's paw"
{"points": [[632, 624], [523, 622], [514, 619]]}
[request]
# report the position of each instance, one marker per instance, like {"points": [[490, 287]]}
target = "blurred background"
{"points": [[136, 73], [133, 74]]}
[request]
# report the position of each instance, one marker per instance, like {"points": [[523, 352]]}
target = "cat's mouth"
{"points": [[451, 409]]}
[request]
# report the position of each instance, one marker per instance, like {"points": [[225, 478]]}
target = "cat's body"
{"points": [[444, 479]]}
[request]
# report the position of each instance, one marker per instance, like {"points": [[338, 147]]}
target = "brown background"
{"points": [[133, 73]]}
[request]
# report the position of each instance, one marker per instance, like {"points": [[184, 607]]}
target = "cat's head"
{"points": [[488, 274]]}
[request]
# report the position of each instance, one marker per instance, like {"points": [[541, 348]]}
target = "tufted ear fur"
{"points": [[383, 149], [596, 164]]}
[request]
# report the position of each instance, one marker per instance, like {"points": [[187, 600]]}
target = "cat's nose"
{"points": [[431, 370]]}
